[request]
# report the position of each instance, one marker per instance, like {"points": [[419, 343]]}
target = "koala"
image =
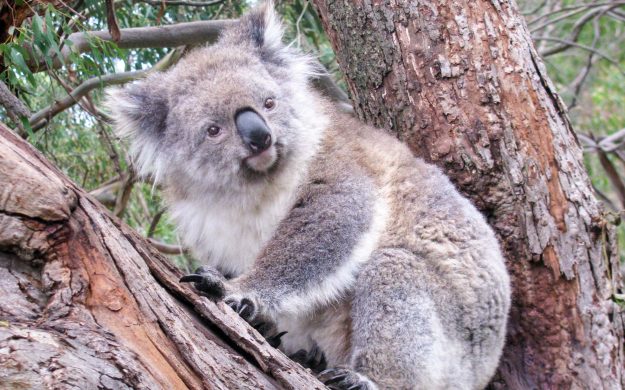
{"points": [[381, 274]]}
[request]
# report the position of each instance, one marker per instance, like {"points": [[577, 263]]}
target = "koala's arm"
{"points": [[313, 255]]}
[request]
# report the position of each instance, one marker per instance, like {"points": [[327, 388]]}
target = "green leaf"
{"points": [[27, 127], [18, 57]]}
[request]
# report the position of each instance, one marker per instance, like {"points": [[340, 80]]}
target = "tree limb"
{"points": [[111, 21], [99, 285], [123, 196], [11, 103], [181, 2], [575, 44], [15, 108], [167, 249], [575, 10], [37, 121], [613, 175], [180, 34], [154, 223]]}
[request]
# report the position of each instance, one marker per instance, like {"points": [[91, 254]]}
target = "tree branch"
{"points": [[181, 2], [576, 9], [574, 44], [180, 34], [137, 313], [155, 221], [123, 195], [613, 176], [111, 21], [11, 103], [38, 120], [167, 249], [106, 193], [579, 81], [15, 108], [613, 141]]}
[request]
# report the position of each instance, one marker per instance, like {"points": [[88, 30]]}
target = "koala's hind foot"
{"points": [[212, 284], [343, 378], [314, 359]]}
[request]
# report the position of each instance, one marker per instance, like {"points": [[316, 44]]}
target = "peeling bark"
{"points": [[462, 85], [87, 303]]}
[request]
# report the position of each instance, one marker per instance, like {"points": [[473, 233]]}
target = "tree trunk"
{"points": [[87, 303], [461, 84]]}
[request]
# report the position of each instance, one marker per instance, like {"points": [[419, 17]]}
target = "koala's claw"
{"points": [[243, 306], [314, 359], [207, 281], [213, 284], [268, 330], [275, 340], [340, 378]]}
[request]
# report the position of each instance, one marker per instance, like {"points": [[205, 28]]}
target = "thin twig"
{"points": [[608, 144], [613, 141], [181, 2], [180, 34], [71, 99], [83, 89], [605, 199], [123, 195], [110, 148], [613, 176], [155, 221], [106, 193], [297, 23], [583, 75], [580, 46], [534, 10], [111, 21], [576, 10], [167, 249]]}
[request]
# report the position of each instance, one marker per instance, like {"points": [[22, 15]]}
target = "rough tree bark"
{"points": [[86, 303], [461, 83]]}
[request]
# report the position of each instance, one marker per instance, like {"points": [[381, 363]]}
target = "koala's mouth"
{"points": [[263, 162]]}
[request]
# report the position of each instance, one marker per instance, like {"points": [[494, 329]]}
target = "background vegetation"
{"points": [[582, 43]]}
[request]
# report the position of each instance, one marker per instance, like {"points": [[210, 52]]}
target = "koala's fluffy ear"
{"points": [[140, 114], [262, 29], [138, 109]]}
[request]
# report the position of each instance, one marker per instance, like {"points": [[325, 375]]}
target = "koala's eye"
{"points": [[213, 131], [270, 103]]}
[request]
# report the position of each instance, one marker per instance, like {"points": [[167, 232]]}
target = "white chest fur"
{"points": [[230, 233]]}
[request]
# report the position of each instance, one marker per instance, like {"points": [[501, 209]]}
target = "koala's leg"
{"points": [[399, 338]]}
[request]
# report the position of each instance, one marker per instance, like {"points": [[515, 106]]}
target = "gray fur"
{"points": [[338, 233]]}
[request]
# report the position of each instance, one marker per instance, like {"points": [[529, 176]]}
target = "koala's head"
{"points": [[237, 112]]}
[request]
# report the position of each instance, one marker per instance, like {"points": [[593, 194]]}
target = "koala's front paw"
{"points": [[269, 331], [249, 311], [208, 281], [214, 285], [314, 359], [343, 378], [245, 307]]}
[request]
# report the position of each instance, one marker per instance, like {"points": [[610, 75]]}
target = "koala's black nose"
{"points": [[253, 130]]}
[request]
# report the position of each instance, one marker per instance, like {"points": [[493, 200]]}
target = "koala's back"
{"points": [[429, 239]]}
